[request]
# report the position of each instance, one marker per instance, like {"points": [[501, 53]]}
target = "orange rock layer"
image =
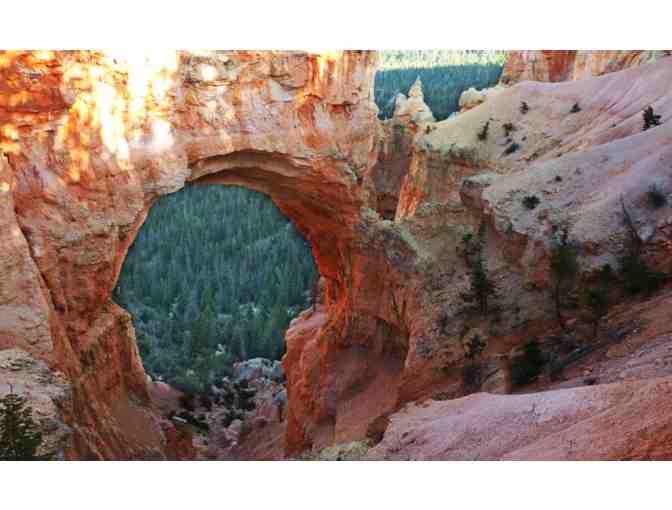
{"points": [[90, 140], [563, 65]]}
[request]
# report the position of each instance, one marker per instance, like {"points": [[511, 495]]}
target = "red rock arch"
{"points": [[89, 142]]}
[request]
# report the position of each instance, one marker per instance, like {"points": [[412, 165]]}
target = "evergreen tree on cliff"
{"points": [[19, 436]]}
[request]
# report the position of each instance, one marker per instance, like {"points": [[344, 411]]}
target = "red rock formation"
{"points": [[91, 140], [562, 65], [612, 405], [577, 164], [395, 140]]}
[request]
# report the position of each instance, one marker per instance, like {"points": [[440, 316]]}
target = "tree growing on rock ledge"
{"points": [[481, 288], [564, 267], [19, 435], [471, 373], [483, 133], [637, 275], [527, 367]]}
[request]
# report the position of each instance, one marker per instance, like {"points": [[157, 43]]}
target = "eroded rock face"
{"points": [[563, 65], [91, 140], [395, 139], [472, 97], [247, 418], [578, 165]]}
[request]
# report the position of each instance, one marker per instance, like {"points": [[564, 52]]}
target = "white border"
{"points": [[356, 24]]}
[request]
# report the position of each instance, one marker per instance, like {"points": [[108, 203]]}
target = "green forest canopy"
{"points": [[215, 276], [445, 74]]}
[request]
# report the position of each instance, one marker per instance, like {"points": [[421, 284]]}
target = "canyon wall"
{"points": [[563, 65], [90, 140]]}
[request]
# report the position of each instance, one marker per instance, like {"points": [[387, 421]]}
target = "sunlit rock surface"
{"points": [[562, 65], [472, 97], [90, 140], [395, 139]]}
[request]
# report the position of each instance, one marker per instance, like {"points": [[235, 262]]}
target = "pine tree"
{"points": [[20, 437], [481, 287], [527, 368], [636, 273], [564, 267]]}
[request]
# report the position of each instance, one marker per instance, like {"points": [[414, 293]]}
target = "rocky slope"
{"points": [[612, 404], [578, 165], [625, 421], [90, 140]]}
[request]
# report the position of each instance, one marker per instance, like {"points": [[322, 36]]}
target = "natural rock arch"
{"points": [[98, 138], [90, 140]]}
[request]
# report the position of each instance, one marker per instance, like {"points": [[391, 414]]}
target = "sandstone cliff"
{"points": [[91, 140], [563, 65]]}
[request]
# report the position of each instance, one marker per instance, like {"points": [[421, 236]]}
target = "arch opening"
{"points": [[214, 277]]}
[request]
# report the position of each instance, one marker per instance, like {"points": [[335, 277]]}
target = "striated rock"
{"points": [[562, 65], [99, 137], [606, 422]]}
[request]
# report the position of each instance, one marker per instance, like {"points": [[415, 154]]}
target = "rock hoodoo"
{"points": [[90, 140]]}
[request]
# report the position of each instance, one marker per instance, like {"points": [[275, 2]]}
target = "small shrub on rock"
{"points": [[526, 369], [471, 377], [474, 347], [564, 267], [650, 119], [481, 288], [508, 128], [524, 108], [531, 202], [597, 297], [656, 197], [511, 148], [20, 436], [483, 133], [575, 109], [597, 301]]}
